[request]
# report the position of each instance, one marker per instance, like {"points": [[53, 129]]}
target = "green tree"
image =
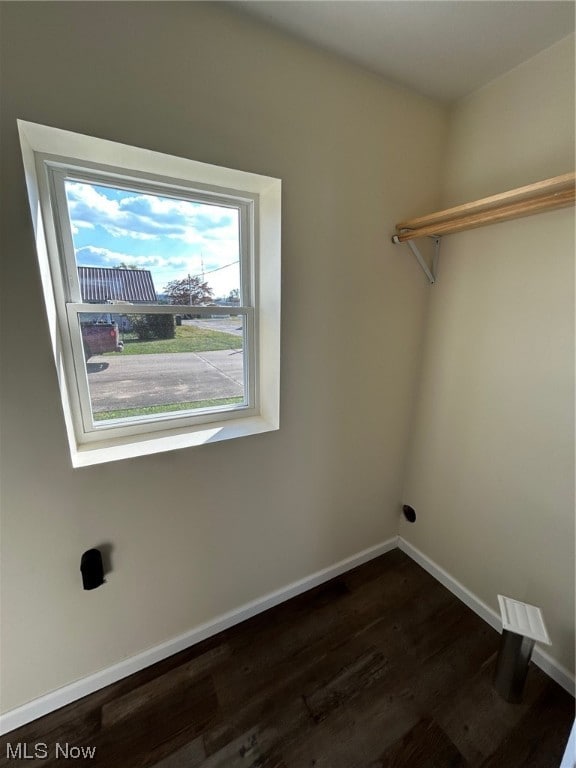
{"points": [[234, 296], [189, 290]]}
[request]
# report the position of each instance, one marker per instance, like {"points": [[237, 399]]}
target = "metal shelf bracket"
{"points": [[431, 274]]}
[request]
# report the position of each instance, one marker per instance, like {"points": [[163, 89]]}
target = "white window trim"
{"points": [[37, 141], [52, 174]]}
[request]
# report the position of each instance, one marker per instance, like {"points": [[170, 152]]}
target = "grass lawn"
{"points": [[126, 413], [188, 339]]}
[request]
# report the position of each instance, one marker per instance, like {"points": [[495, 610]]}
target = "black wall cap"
{"points": [[92, 569], [409, 513]]}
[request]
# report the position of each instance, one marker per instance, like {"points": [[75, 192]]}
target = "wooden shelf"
{"points": [[547, 195]]}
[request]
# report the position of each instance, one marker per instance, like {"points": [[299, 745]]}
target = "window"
{"points": [[161, 277]]}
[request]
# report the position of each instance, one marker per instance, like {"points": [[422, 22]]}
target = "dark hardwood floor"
{"points": [[379, 668]]}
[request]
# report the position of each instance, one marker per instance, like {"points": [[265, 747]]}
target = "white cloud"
{"points": [[120, 232], [98, 257], [86, 194], [148, 217]]}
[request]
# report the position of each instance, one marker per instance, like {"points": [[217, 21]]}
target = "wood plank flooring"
{"points": [[379, 668]]}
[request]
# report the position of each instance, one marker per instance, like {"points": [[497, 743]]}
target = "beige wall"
{"points": [[492, 464], [198, 532]]}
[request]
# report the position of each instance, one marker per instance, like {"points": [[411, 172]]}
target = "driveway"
{"points": [[231, 325], [135, 381]]}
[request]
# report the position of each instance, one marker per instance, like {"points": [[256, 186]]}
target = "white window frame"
{"points": [[50, 156]]}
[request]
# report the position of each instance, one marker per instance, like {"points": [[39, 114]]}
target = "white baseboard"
{"points": [[569, 759], [87, 685], [54, 700], [547, 664]]}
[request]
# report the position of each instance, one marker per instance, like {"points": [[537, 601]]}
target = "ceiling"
{"points": [[444, 49]]}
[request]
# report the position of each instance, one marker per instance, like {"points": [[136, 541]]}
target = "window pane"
{"points": [[145, 248], [140, 366]]}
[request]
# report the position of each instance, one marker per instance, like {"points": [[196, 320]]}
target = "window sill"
{"points": [[169, 440]]}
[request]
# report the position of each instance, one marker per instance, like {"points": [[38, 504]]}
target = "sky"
{"points": [[172, 238]]}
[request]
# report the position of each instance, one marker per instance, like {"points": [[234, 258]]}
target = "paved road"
{"points": [[133, 381], [231, 325]]}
